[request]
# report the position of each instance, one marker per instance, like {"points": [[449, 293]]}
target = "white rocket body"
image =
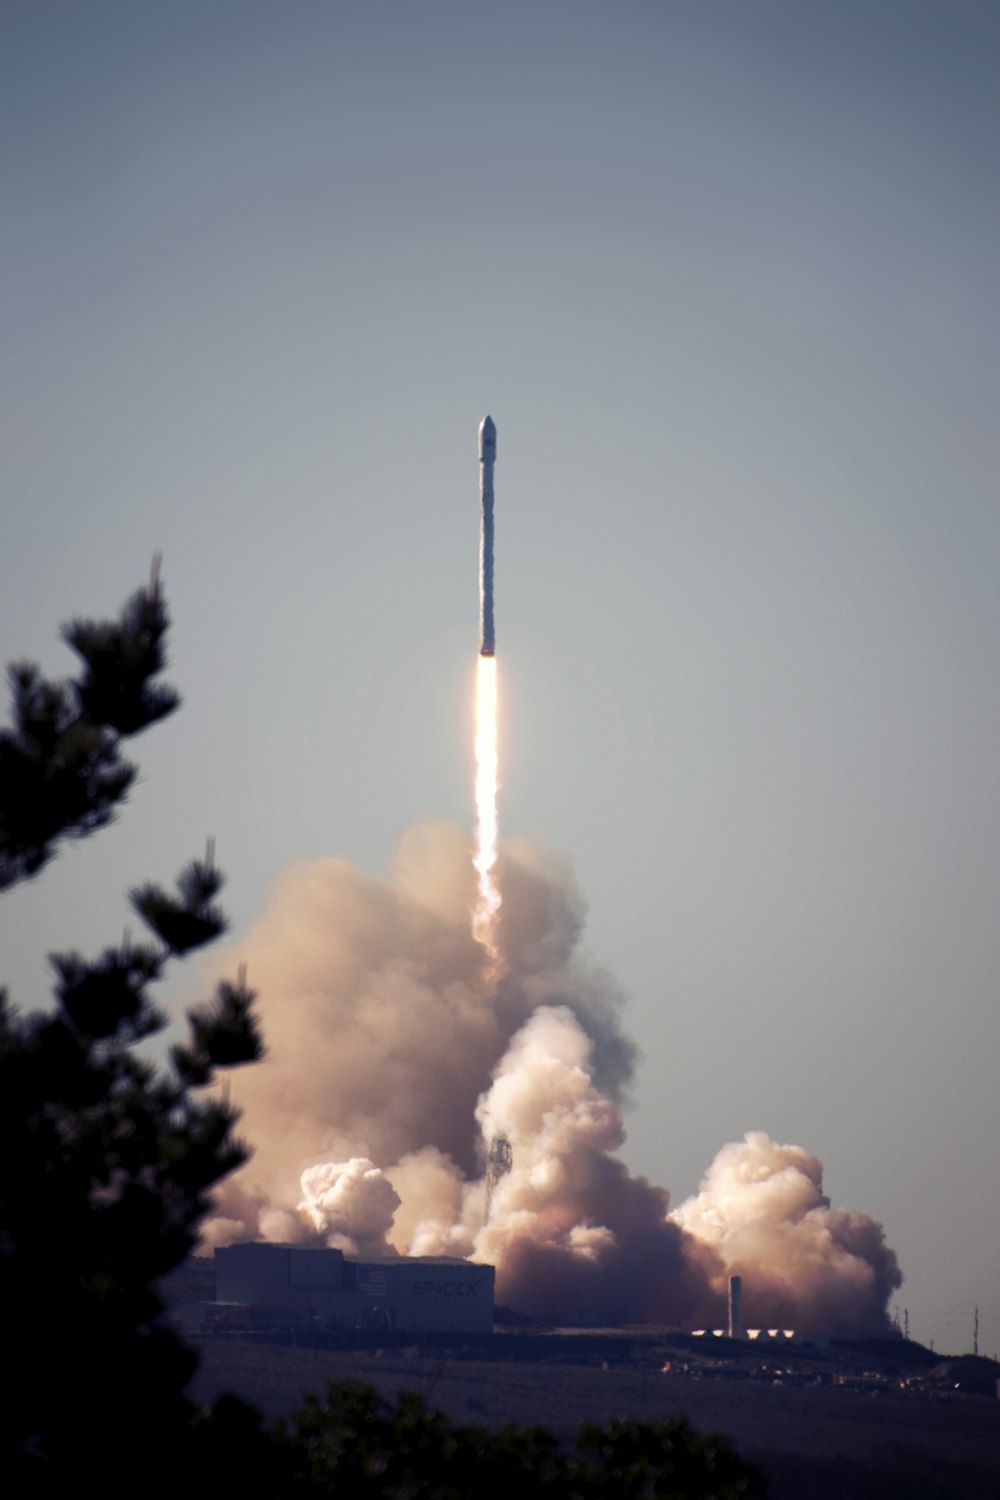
{"points": [[487, 458]]}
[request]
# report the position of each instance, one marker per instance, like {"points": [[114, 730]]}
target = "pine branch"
{"points": [[192, 920], [104, 998], [61, 772], [224, 1034]]}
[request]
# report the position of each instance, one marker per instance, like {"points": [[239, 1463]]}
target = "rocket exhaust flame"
{"points": [[487, 907]]}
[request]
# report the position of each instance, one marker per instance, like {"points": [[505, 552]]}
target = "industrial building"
{"points": [[408, 1295]]}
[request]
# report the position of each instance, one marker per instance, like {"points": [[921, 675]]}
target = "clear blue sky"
{"points": [[725, 274]]}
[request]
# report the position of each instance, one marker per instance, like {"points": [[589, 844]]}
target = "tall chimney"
{"points": [[735, 1307]]}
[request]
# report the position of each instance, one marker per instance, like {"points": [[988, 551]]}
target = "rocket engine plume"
{"points": [[487, 907]]}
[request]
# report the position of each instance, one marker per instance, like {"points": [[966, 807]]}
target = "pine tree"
{"points": [[108, 1160]]}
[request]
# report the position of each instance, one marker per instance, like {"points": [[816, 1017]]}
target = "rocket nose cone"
{"points": [[487, 438]]}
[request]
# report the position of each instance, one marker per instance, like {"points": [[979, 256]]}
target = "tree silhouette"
{"points": [[351, 1442], [61, 772], [108, 1160]]}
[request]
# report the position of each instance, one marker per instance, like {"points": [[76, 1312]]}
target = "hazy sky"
{"points": [[725, 274]]}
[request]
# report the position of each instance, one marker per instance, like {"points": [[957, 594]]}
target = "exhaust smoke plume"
{"points": [[399, 1047]]}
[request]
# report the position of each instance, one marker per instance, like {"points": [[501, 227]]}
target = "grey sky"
{"points": [[725, 276]]}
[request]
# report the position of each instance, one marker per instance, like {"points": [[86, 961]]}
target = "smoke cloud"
{"points": [[395, 1057], [761, 1205], [351, 1203]]}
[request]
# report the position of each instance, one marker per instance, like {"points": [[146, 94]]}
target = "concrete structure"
{"points": [[735, 1307], [437, 1295]]}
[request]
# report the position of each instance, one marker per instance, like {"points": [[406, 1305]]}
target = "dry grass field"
{"points": [[812, 1442]]}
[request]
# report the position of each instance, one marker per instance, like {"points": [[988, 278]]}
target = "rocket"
{"points": [[487, 458]]}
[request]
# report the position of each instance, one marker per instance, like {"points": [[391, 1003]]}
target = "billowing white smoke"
{"points": [[394, 1055], [577, 1237], [828, 1262], [351, 1203]]}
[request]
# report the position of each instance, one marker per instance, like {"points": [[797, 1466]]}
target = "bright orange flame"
{"points": [[484, 918]]}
